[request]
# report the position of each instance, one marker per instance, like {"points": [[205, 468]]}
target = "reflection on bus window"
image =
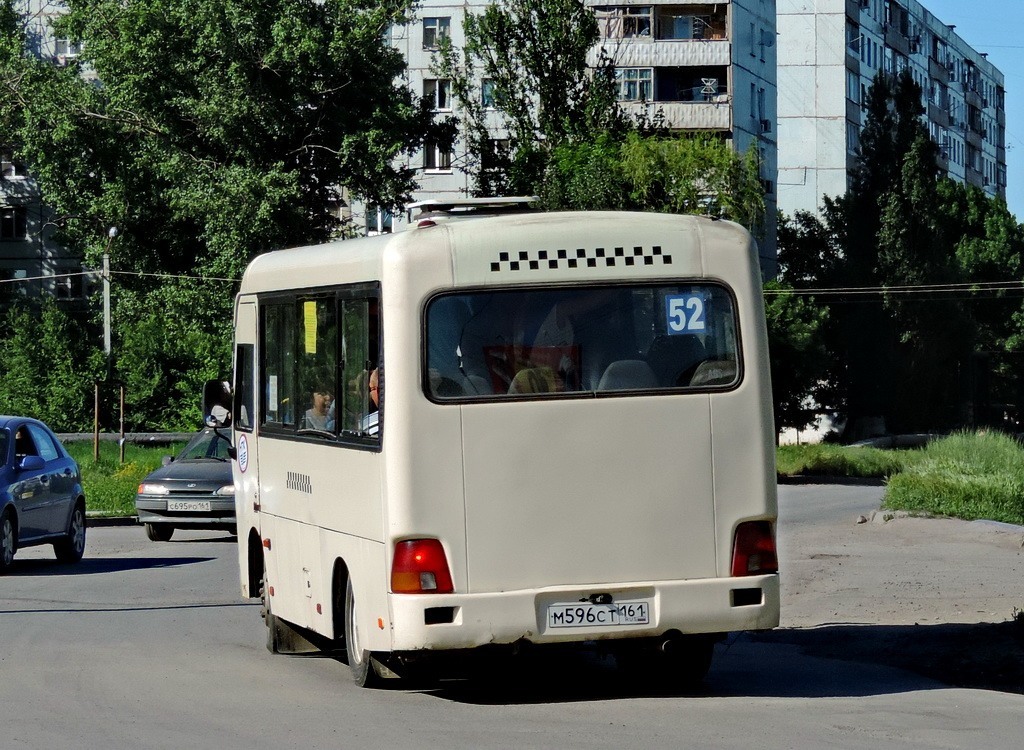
{"points": [[319, 353], [577, 340]]}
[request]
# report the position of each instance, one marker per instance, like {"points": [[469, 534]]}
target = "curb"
{"points": [[829, 479], [95, 521]]}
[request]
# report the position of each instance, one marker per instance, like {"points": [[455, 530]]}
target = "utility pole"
{"points": [[111, 234]]}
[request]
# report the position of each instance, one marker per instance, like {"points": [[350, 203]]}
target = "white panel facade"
{"points": [[846, 43]]}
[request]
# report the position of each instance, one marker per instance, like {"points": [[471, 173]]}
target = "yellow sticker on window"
{"points": [[309, 322]]}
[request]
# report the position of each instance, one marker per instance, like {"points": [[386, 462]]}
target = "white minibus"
{"points": [[503, 428]]}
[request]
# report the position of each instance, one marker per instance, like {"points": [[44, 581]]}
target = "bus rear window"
{"points": [[550, 342]]}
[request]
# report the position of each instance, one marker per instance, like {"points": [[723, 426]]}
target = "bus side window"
{"points": [[244, 392], [360, 357], [279, 336]]}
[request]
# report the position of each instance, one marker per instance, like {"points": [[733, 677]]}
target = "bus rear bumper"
{"points": [[578, 614]]}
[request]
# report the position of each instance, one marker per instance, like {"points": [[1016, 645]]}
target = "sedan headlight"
{"points": [[227, 489], [153, 489]]}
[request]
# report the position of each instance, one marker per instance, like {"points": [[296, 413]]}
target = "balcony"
{"points": [[938, 115], [647, 52], [975, 177], [698, 115], [897, 39], [938, 70]]}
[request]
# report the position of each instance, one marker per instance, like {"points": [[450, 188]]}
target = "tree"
{"points": [[553, 126], [532, 54], [919, 359], [208, 133], [883, 243], [798, 356], [48, 366]]}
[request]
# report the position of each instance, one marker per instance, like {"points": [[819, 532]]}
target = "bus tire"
{"points": [[366, 668], [668, 665]]}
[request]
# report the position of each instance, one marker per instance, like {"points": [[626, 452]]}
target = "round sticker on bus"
{"points": [[243, 453]]}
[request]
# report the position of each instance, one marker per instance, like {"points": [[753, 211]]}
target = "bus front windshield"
{"points": [[563, 342]]}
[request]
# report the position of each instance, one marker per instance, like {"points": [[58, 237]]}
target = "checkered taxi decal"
{"points": [[535, 260]]}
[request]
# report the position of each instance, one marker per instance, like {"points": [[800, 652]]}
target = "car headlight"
{"points": [[153, 489], [227, 489]]}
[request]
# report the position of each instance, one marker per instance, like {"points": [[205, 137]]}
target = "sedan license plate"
{"points": [[587, 614], [189, 506]]}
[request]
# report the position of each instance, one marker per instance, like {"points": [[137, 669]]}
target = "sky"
{"points": [[995, 27]]}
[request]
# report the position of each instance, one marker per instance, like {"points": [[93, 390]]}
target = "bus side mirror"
{"points": [[217, 403]]}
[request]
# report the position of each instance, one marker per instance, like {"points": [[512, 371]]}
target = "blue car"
{"points": [[41, 497]]}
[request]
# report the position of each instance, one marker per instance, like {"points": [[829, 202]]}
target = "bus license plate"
{"points": [[587, 614], [189, 506]]}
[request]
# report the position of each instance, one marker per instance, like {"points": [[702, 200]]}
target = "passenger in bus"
{"points": [[317, 416], [369, 424]]}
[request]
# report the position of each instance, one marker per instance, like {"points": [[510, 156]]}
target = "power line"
{"points": [[904, 290], [97, 274], [172, 276]]}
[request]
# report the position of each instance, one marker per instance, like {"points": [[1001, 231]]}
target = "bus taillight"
{"points": [[420, 567], [753, 551]]}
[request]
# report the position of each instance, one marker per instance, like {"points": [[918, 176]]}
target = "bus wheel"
{"points": [[366, 670], [671, 665]]}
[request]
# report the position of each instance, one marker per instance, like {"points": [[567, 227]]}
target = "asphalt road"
{"points": [[147, 645]]}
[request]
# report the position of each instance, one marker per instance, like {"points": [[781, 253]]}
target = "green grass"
{"points": [[110, 485], [825, 459], [969, 476]]}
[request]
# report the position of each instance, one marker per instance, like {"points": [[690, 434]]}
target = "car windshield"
{"points": [[205, 445], [551, 342]]}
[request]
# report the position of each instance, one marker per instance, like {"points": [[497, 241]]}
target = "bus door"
{"points": [[247, 492]]}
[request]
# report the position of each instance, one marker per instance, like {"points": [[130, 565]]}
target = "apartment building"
{"points": [[708, 66], [32, 263], [829, 53]]}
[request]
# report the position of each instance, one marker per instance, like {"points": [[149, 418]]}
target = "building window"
{"points": [[378, 220], [625, 22], [495, 155], [487, 93], [634, 84], [853, 87], [13, 282], [66, 48], [852, 137], [13, 223], [71, 283], [434, 30], [436, 158], [9, 167], [854, 40], [437, 91]]}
